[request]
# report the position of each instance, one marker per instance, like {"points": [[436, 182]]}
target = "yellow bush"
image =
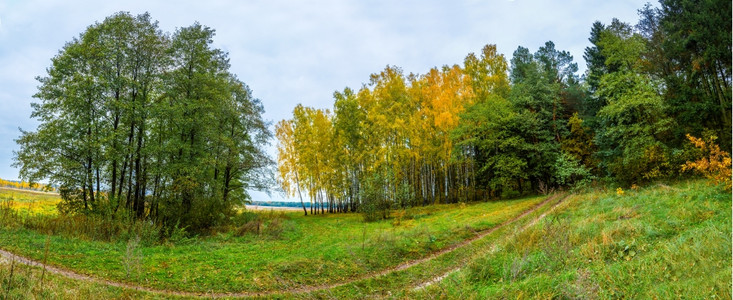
{"points": [[715, 163]]}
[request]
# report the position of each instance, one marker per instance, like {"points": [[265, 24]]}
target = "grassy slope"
{"points": [[659, 242], [311, 250]]}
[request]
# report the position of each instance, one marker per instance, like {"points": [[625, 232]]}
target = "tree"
{"points": [[484, 131], [634, 126], [349, 125], [487, 127], [543, 96], [132, 119], [697, 48], [287, 157], [579, 142]]}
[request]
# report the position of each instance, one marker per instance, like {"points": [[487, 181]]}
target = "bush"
{"points": [[569, 171], [714, 164], [374, 202], [509, 194], [271, 224]]}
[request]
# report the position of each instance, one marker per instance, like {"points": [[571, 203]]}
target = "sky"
{"points": [[292, 52]]}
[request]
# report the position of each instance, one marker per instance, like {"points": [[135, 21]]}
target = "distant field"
{"points": [[278, 208], [29, 202]]}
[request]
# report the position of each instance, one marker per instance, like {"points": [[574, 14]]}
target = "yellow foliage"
{"points": [[715, 163], [26, 185], [620, 191], [579, 143]]}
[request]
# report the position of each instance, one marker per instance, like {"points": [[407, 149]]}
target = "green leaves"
{"points": [[136, 119], [634, 124]]}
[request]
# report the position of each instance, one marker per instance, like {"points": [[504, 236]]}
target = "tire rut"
{"points": [[445, 274]]}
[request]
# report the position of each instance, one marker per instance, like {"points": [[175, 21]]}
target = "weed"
{"points": [[132, 258], [274, 228]]}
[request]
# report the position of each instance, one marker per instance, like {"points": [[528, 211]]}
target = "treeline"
{"points": [[492, 128], [278, 204], [144, 121], [26, 185]]}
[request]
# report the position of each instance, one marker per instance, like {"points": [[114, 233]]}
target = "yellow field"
{"points": [[29, 202]]}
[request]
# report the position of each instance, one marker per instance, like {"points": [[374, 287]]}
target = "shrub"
{"points": [[249, 227], [569, 171], [715, 163], [375, 204]]}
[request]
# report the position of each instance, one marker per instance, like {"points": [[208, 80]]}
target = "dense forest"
{"points": [[498, 128], [139, 120]]}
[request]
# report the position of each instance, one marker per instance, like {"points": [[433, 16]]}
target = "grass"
{"points": [[19, 281], [658, 242], [28, 202], [655, 242], [310, 250]]}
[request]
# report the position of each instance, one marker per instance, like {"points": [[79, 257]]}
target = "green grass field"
{"points": [[24, 282], [660, 242], [654, 242], [310, 250]]}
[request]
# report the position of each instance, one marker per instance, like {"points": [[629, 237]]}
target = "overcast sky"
{"points": [[290, 53]]}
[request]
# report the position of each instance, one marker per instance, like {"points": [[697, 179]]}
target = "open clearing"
{"points": [[321, 250], [73, 275], [596, 243]]}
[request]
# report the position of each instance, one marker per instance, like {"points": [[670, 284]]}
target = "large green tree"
{"points": [[634, 125], [696, 45], [133, 119]]}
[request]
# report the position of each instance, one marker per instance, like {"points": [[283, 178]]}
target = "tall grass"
{"points": [[121, 226], [23, 282], [656, 242]]}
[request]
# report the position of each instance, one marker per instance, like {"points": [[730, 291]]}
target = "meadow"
{"points": [[658, 241], [289, 250], [29, 202]]}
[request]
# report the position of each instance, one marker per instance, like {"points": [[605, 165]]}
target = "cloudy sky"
{"points": [[290, 53]]}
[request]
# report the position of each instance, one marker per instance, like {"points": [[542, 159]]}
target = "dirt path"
{"points": [[442, 276], [305, 289]]}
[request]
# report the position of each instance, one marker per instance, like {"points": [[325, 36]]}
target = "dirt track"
{"points": [[299, 290], [442, 276]]}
